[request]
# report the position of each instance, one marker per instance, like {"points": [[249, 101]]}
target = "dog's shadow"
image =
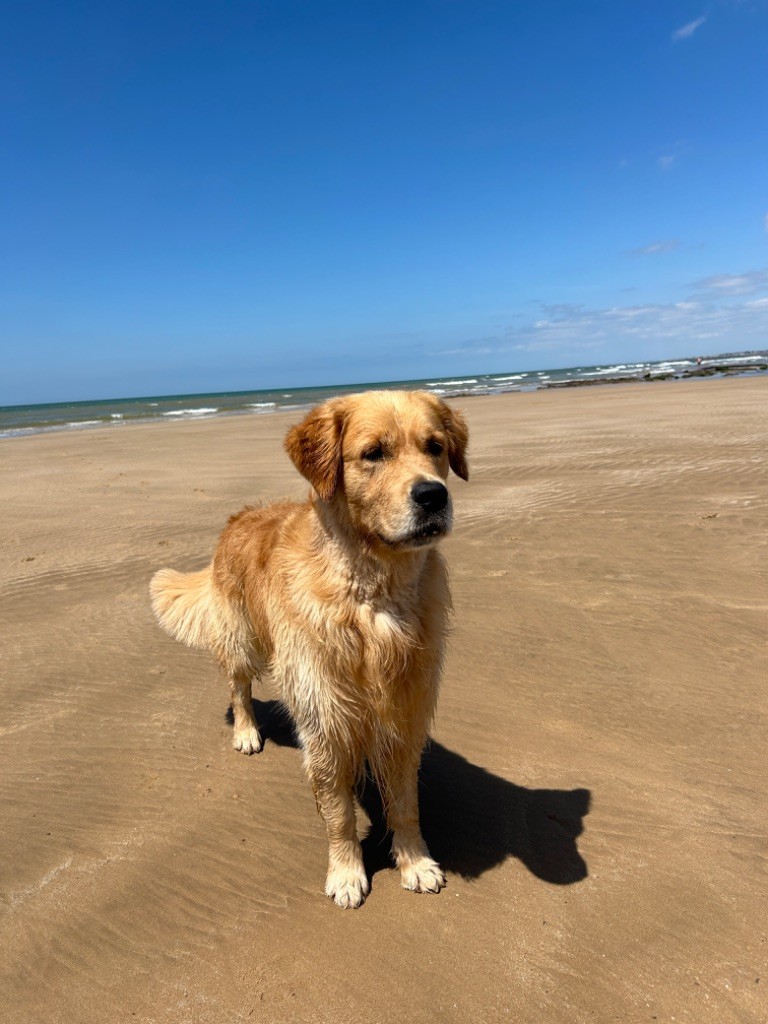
{"points": [[472, 820]]}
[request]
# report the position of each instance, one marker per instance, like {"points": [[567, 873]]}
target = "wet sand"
{"points": [[595, 788]]}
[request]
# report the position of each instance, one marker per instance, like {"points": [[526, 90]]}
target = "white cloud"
{"points": [[569, 331], [686, 31], [748, 283], [655, 248], [672, 153]]}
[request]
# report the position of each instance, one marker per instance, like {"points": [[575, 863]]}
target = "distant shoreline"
{"points": [[709, 370], [20, 421]]}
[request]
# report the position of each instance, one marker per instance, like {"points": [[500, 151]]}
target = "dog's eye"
{"points": [[374, 453], [434, 447]]}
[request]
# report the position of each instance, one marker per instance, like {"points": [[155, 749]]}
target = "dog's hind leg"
{"points": [[247, 736]]}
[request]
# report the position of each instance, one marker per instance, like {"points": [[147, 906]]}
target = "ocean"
{"points": [[19, 420]]}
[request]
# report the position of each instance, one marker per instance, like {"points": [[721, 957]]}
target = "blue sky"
{"points": [[225, 196]]}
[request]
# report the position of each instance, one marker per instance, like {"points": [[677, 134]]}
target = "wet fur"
{"points": [[344, 602]]}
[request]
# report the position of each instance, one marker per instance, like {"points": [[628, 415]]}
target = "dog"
{"points": [[344, 599]]}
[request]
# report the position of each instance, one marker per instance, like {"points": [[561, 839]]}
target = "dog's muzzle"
{"points": [[431, 517]]}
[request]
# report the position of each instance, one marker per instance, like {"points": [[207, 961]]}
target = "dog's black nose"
{"points": [[431, 495]]}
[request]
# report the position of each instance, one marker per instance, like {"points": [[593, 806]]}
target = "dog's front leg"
{"points": [[347, 882], [418, 871]]}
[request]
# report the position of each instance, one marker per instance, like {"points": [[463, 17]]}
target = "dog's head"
{"points": [[382, 458]]}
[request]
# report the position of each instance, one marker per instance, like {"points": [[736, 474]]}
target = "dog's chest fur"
{"points": [[373, 636]]}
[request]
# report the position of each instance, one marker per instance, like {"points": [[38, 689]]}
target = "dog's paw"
{"points": [[423, 875], [347, 887], [248, 740]]}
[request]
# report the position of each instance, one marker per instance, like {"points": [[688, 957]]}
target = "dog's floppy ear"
{"points": [[314, 446], [458, 438], [457, 435]]}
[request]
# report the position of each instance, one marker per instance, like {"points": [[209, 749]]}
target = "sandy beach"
{"points": [[595, 787]]}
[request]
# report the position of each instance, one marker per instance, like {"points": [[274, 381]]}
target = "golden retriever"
{"points": [[343, 599]]}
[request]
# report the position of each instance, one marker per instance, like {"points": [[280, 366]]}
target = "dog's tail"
{"points": [[185, 605]]}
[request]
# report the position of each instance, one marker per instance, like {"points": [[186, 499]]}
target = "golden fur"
{"points": [[343, 599]]}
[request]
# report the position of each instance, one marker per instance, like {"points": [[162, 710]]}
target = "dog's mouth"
{"points": [[424, 534]]}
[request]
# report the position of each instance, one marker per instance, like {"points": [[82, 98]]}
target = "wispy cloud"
{"points": [[715, 317], [655, 248], [748, 283], [672, 153], [686, 31]]}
